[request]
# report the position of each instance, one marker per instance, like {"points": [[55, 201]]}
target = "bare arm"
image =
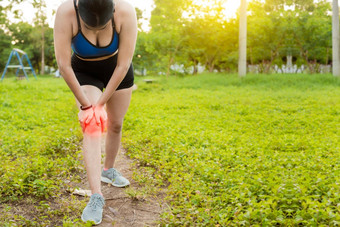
{"points": [[62, 46], [127, 43]]}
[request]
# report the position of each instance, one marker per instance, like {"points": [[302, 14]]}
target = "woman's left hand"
{"points": [[100, 116]]}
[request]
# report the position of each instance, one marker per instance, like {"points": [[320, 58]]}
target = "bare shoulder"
{"points": [[123, 7], [66, 19], [66, 9]]}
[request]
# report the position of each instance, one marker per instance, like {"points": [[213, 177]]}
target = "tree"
{"points": [[275, 31], [27, 37], [140, 18], [5, 50], [312, 35], [5, 37], [144, 57], [40, 22], [265, 36], [166, 29], [36, 40], [242, 64], [335, 37], [205, 34], [283, 29]]}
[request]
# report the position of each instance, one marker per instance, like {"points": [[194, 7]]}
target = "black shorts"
{"points": [[98, 73]]}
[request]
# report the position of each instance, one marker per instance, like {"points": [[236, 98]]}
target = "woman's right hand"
{"points": [[85, 116], [100, 116]]}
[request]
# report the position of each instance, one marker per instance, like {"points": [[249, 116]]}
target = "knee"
{"points": [[115, 127], [93, 129]]}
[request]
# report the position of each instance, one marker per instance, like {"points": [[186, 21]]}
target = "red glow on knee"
{"points": [[92, 128]]}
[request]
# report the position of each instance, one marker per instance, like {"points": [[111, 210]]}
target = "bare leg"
{"points": [[92, 146], [116, 107]]}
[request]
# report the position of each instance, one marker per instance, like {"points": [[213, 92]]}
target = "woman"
{"points": [[102, 35]]}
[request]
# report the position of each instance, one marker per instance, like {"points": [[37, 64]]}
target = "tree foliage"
{"points": [[188, 34], [27, 37]]}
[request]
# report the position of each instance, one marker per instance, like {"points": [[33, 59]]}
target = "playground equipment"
{"points": [[19, 67]]}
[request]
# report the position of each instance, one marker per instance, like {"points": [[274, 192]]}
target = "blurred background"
{"points": [[192, 36]]}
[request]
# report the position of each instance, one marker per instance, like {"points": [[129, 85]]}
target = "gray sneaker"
{"points": [[94, 209], [114, 177]]}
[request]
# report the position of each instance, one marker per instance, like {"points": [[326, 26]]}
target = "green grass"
{"points": [[262, 150], [39, 150]]}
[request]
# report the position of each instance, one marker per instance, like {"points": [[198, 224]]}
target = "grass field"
{"points": [[39, 152], [262, 150]]}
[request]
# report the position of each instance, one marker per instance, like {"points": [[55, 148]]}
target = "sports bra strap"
{"points": [[76, 8]]}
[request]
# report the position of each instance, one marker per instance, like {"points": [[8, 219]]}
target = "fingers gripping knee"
{"points": [[92, 128]]}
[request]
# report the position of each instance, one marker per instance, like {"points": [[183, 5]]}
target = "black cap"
{"points": [[96, 13]]}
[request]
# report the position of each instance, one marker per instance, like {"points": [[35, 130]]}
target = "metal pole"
{"points": [[9, 60], [242, 62], [335, 38]]}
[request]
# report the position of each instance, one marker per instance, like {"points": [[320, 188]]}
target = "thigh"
{"points": [[118, 105], [90, 72], [86, 79], [93, 93]]}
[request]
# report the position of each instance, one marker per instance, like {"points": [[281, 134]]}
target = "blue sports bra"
{"points": [[82, 47]]}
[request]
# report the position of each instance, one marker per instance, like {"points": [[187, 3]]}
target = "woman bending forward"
{"points": [[94, 45]]}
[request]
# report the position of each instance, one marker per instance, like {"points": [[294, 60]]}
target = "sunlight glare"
{"points": [[230, 6]]}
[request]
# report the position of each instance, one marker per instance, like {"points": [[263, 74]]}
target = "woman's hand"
{"points": [[85, 116], [100, 116]]}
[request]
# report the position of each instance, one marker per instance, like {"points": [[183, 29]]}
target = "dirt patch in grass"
{"points": [[31, 211], [131, 206], [131, 209]]}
